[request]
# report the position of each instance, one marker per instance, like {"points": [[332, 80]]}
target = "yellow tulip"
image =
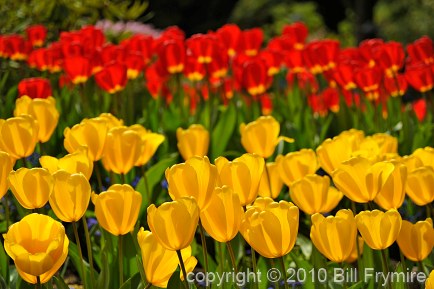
{"points": [[261, 202], [222, 218], [77, 162], [111, 120], [354, 252], [6, 166], [38, 245], [426, 155], [196, 177], [420, 184], [313, 194], [412, 162], [429, 283], [378, 146], [379, 229], [416, 241], [19, 136], [31, 187], [334, 237], [174, 223], [117, 209], [332, 152], [193, 141], [122, 150], [361, 180], [261, 136], [242, 175], [392, 193], [43, 110], [150, 143], [296, 165], [353, 136], [91, 133], [271, 184], [159, 263], [271, 231], [70, 197]]}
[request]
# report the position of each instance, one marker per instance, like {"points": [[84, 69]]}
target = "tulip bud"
{"points": [[193, 141], [426, 155], [334, 237], [416, 241], [392, 192], [313, 194], [261, 136], [117, 209], [420, 184], [42, 110], [31, 187], [271, 184], [38, 245], [379, 229], [296, 165], [271, 231], [196, 177], [174, 223], [70, 197], [222, 218], [150, 143]]}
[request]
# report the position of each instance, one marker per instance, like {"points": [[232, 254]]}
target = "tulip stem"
{"points": [[232, 255], [204, 249], [254, 264], [148, 285], [184, 272], [404, 266], [89, 249], [282, 265], [77, 240], [428, 211], [344, 283], [145, 180], [38, 282], [121, 262], [421, 267], [98, 176], [25, 165], [268, 179], [385, 266], [7, 213], [123, 178]]}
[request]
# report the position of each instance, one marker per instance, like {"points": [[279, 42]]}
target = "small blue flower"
{"points": [[164, 184]]}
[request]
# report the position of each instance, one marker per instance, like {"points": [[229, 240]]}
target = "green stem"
{"points": [[421, 267], [404, 267], [222, 258], [38, 282], [148, 285], [385, 266], [123, 178], [121, 262], [428, 211], [77, 240], [89, 250], [204, 249], [254, 265], [145, 180], [184, 272], [25, 164], [282, 265], [359, 263], [98, 176], [232, 255], [7, 217], [344, 284]]}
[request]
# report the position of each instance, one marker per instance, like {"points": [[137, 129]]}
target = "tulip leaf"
{"points": [[3, 283], [263, 268], [104, 277], [4, 262], [223, 131], [60, 283], [75, 257], [133, 282], [21, 284], [140, 266], [175, 281], [358, 285]]}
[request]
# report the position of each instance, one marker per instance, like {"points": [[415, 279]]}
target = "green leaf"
{"points": [[175, 281], [263, 268], [140, 266], [133, 282], [358, 285], [103, 281], [76, 260], [60, 283], [21, 284], [4, 262], [223, 131], [3, 283]]}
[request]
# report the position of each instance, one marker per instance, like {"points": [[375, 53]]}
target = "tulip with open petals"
{"points": [[70, 197], [19, 136], [174, 223], [313, 194], [42, 110], [38, 245], [416, 241], [196, 177], [117, 209], [222, 218], [150, 143], [159, 263], [334, 236], [242, 175], [379, 229], [193, 141], [31, 187], [261, 136], [272, 230], [426, 155], [295, 165]]}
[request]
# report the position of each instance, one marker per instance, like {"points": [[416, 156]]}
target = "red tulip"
{"points": [[317, 105], [141, 44], [306, 81], [113, 53], [344, 76], [391, 57], [368, 80], [250, 41], [201, 47], [112, 78], [36, 87], [36, 35], [171, 54], [421, 50], [351, 56], [272, 60], [396, 86], [155, 79], [194, 70], [266, 104], [134, 63], [38, 59], [78, 69], [229, 36], [71, 49], [173, 32], [255, 78], [92, 37], [419, 108], [321, 55], [16, 47], [297, 33], [331, 99], [369, 50], [54, 57], [420, 77], [218, 68], [294, 60]]}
